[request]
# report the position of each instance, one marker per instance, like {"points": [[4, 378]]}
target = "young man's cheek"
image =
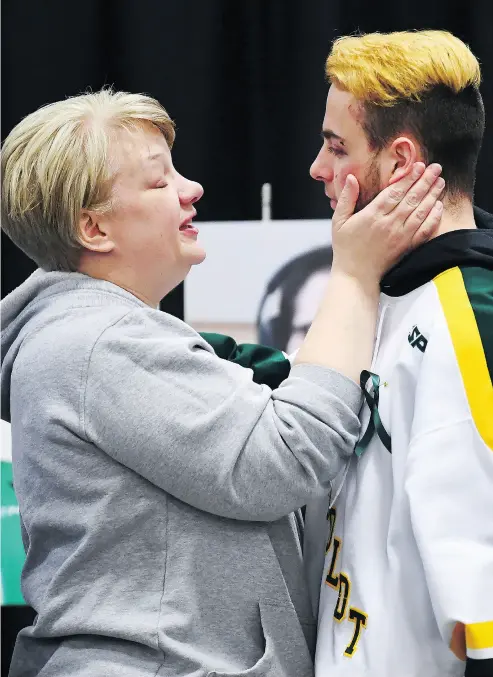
{"points": [[340, 174]]}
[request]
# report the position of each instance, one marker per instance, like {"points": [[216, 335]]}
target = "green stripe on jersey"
{"points": [[479, 287]]}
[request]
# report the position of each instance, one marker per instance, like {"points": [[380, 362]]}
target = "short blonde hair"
{"points": [[384, 68], [55, 163]]}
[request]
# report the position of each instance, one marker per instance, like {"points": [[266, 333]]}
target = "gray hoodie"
{"points": [[157, 486]]}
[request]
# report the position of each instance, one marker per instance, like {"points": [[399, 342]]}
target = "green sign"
{"points": [[12, 550]]}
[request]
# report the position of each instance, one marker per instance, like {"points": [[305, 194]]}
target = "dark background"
{"points": [[243, 79]]}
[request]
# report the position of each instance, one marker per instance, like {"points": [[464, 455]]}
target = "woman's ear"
{"points": [[401, 155], [92, 233]]}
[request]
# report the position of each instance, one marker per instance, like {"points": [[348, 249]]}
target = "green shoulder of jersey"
{"points": [[478, 283], [269, 365], [466, 298]]}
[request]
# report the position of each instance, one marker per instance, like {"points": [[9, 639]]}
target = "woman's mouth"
{"points": [[189, 229]]}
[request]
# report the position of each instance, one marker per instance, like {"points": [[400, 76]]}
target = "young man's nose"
{"points": [[321, 169]]}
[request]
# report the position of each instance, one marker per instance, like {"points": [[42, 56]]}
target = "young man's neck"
{"points": [[456, 216]]}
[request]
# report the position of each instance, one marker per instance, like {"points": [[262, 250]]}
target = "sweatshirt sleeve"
{"points": [[159, 401], [449, 470]]}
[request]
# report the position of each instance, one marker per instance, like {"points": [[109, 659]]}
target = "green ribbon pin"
{"points": [[375, 423]]}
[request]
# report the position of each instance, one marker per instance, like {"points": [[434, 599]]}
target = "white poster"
{"points": [[261, 281]]}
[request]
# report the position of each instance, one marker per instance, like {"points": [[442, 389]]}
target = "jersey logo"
{"points": [[417, 340]]}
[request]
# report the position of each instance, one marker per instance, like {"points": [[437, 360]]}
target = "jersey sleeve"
{"points": [[269, 366], [449, 468]]}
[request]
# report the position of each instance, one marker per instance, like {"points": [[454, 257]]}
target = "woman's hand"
{"points": [[401, 217], [365, 245]]}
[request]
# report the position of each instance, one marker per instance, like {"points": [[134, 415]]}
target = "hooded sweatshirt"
{"points": [[156, 485]]}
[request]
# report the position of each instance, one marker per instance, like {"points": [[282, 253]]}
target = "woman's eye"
{"points": [[335, 151]]}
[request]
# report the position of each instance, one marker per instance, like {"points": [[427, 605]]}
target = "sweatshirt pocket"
{"points": [[286, 653]]}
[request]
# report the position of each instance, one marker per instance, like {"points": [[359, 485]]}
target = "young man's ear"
{"points": [[93, 235], [402, 155]]}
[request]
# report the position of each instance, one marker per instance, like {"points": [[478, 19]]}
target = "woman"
{"points": [[156, 482]]}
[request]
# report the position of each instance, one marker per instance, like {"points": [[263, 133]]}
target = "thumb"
{"points": [[347, 201]]}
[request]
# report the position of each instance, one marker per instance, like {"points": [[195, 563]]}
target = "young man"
{"points": [[405, 553]]}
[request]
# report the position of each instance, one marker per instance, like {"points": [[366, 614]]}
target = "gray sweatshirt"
{"points": [[157, 487]]}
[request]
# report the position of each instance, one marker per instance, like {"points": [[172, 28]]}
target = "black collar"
{"points": [[468, 247]]}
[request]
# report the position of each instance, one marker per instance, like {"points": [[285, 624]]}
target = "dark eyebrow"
{"points": [[330, 136]]}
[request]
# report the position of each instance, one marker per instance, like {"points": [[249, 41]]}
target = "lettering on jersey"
{"points": [[343, 598], [417, 340], [332, 580], [342, 583], [359, 618], [331, 517]]}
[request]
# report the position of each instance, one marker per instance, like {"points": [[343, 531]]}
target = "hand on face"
{"points": [[402, 216]]}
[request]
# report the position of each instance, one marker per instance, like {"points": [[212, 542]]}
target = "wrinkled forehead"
{"points": [[137, 149]]}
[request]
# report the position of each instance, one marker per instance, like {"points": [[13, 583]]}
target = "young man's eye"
{"points": [[161, 184], [335, 151]]}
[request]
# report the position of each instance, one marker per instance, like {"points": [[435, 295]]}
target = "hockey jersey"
{"points": [[405, 553]]}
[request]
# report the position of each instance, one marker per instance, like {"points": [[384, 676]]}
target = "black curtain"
{"points": [[244, 81]]}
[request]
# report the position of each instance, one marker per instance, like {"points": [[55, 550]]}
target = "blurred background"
{"points": [[244, 81]]}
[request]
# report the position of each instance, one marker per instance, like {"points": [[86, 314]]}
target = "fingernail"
{"points": [[418, 169], [436, 168], [440, 183], [439, 206]]}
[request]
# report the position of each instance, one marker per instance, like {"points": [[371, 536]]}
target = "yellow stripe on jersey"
{"points": [[468, 348], [479, 635]]}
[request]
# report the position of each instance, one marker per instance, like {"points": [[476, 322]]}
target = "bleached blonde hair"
{"points": [[56, 162], [384, 68]]}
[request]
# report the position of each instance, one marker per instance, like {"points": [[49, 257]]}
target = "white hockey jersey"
{"points": [[405, 555]]}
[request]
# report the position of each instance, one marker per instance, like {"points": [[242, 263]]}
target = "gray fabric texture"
{"points": [[157, 486]]}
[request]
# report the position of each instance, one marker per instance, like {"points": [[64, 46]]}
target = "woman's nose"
{"points": [[190, 192]]}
